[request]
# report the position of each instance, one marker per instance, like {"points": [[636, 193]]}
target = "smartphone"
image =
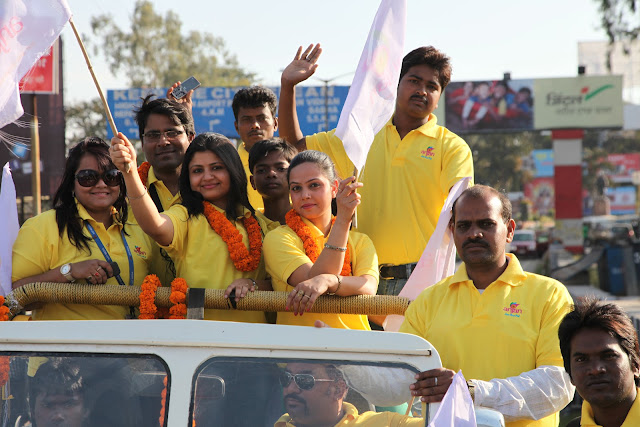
{"points": [[186, 86], [115, 268]]}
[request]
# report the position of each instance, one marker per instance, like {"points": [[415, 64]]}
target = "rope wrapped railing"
{"points": [[74, 293]]}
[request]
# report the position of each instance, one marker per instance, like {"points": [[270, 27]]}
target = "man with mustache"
{"points": [[494, 321], [411, 166], [599, 345], [314, 396], [254, 109]]}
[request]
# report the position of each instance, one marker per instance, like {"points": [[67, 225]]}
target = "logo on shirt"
{"points": [[512, 310], [428, 153], [138, 250]]}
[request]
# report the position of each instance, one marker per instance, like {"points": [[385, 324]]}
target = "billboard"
{"points": [[42, 78], [543, 163], [534, 104], [212, 108], [624, 165], [541, 192], [623, 200]]}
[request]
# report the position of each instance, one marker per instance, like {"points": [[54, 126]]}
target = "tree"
{"points": [[620, 19], [155, 53]]}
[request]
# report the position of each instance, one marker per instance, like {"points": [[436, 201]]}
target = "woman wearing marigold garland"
{"points": [[315, 253], [213, 237]]}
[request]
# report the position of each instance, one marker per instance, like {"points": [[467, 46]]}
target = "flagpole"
{"points": [[114, 129], [354, 218]]}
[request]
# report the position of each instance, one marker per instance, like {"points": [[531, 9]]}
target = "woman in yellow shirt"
{"points": [[316, 253], [214, 236], [87, 229]]}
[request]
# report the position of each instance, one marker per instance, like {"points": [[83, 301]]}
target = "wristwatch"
{"points": [[472, 389], [65, 270]]}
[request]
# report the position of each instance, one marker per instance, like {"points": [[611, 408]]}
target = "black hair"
{"points": [[261, 149], [428, 55], [67, 216], [221, 147], [176, 112], [478, 192], [318, 158], [591, 313], [254, 97]]}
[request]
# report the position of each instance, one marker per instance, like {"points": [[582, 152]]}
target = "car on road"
{"points": [[524, 243]]}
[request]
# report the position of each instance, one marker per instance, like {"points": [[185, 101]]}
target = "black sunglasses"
{"points": [[90, 177], [303, 381]]}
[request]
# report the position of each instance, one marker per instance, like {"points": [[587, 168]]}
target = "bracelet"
{"points": [[339, 283], [140, 196], [254, 285], [335, 248]]}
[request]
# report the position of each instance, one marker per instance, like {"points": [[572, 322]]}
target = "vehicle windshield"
{"points": [[523, 237], [260, 392], [52, 389]]}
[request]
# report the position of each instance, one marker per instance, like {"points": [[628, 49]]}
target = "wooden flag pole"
{"points": [[95, 80], [354, 218]]}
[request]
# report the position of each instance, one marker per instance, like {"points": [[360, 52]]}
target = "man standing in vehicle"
{"points": [[494, 321]]}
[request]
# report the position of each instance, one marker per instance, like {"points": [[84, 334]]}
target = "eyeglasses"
{"points": [[155, 135], [90, 177], [304, 381]]}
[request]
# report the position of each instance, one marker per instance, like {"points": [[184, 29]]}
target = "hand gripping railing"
{"points": [[74, 293]]}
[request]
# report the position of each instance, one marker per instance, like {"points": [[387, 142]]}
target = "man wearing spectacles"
{"points": [[314, 396]]}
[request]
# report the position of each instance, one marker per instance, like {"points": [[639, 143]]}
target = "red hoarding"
{"points": [[43, 76]]}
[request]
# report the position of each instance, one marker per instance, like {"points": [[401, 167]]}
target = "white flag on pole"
{"points": [[438, 259], [456, 408], [28, 28], [10, 226], [372, 95]]}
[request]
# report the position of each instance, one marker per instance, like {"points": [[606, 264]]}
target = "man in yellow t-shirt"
{"points": [[166, 130], [254, 109], [314, 395], [599, 344], [411, 166], [494, 321]]}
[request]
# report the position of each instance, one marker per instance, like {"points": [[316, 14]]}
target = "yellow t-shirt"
{"points": [[254, 197], [39, 248], [368, 419], [201, 258], [511, 328], [284, 253], [405, 184], [632, 420]]}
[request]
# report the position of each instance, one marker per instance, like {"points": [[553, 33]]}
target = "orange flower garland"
{"points": [[243, 259], [178, 298], [150, 285], [294, 221], [4, 360], [143, 171], [163, 402]]}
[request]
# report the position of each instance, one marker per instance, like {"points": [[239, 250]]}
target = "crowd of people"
{"points": [[276, 214]]}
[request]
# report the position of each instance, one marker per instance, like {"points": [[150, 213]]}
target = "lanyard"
{"points": [[106, 255]]}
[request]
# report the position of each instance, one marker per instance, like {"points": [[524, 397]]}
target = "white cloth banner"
{"points": [[10, 226], [456, 408], [27, 29], [372, 95], [438, 260]]}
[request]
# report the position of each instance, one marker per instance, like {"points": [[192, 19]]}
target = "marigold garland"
{"points": [[148, 309], [294, 221], [4, 360], [163, 402], [178, 298], [143, 171], [243, 259]]}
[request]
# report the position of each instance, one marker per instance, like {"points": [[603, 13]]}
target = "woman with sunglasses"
{"points": [[316, 253], [84, 236]]}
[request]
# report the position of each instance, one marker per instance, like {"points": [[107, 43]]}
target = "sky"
{"points": [[484, 39]]}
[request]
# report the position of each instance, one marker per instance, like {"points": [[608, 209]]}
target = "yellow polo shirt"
{"points": [[284, 253], [632, 420], [368, 419], [39, 248], [201, 258], [166, 198], [254, 197], [405, 184], [511, 328]]}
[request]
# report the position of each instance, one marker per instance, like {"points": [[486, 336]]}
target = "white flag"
{"points": [[28, 28], [456, 408], [372, 95], [10, 226], [438, 260]]}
